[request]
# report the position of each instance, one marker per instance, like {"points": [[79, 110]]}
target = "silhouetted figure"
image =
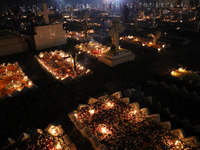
{"points": [[126, 13]]}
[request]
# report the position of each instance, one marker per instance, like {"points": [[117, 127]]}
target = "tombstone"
{"points": [[166, 125], [134, 106], [144, 111], [127, 93], [92, 100], [82, 106], [116, 55], [155, 117], [193, 141], [49, 35], [45, 13], [117, 94], [125, 100], [178, 133]]}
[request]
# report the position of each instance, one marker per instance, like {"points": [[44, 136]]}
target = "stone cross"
{"points": [[154, 21], [45, 13], [86, 16], [114, 30], [72, 10]]}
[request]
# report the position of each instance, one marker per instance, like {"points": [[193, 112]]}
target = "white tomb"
{"points": [[118, 55], [49, 35]]}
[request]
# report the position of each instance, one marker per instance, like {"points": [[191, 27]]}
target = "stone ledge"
{"points": [[113, 61]]}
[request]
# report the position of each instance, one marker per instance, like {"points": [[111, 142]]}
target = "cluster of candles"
{"points": [[94, 24], [119, 126], [75, 35], [180, 72], [187, 75], [143, 42], [61, 65], [93, 48], [12, 78], [79, 35], [52, 138]]}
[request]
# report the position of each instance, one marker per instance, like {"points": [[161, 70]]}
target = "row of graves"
{"points": [[153, 17], [146, 42], [121, 120]]}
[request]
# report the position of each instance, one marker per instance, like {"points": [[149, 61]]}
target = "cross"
{"points": [[154, 21], [45, 13], [72, 10], [114, 30], [86, 16], [86, 23]]}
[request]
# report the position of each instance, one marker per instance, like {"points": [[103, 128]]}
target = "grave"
{"points": [[117, 55], [48, 35], [12, 44], [106, 131], [63, 67], [53, 137], [13, 80]]}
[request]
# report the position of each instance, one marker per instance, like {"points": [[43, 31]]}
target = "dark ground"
{"points": [[52, 101]]}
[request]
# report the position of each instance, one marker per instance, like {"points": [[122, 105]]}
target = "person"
{"points": [[126, 13]]}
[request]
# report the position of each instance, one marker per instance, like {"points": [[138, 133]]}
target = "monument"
{"points": [[48, 35], [116, 55]]}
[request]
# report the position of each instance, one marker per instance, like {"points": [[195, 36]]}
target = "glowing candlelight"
{"points": [[181, 70], [104, 130], [58, 146], [91, 111], [53, 130], [110, 105], [76, 115]]}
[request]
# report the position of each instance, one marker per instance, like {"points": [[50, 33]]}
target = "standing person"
{"points": [[126, 13]]}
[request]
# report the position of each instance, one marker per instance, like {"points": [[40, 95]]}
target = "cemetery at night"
{"points": [[99, 75]]}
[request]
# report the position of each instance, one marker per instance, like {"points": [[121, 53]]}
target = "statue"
{"points": [[114, 31]]}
